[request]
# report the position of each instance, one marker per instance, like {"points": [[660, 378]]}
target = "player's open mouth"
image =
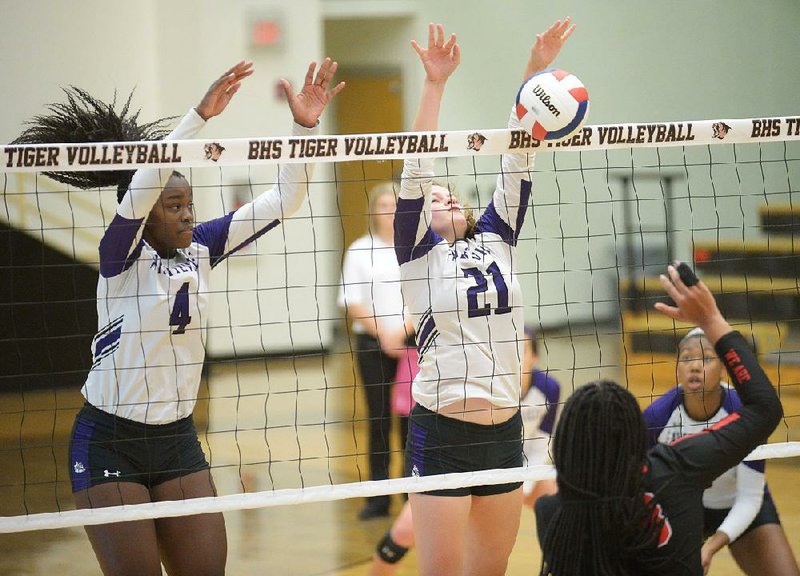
{"points": [[694, 383]]}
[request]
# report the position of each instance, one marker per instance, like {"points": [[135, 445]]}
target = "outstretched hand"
{"points": [[222, 90], [547, 46], [694, 304], [440, 58], [308, 104]]}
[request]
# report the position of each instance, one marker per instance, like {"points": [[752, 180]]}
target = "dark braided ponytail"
{"points": [[83, 118], [599, 449]]}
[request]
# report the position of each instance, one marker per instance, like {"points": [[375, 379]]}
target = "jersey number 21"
{"points": [[481, 286]]}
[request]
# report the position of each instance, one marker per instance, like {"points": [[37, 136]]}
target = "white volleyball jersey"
{"points": [[741, 488], [539, 408], [149, 350], [464, 298]]}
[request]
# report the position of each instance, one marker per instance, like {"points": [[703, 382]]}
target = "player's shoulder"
{"points": [[730, 399], [663, 407]]}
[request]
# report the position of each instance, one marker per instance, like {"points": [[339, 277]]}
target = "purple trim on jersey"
{"points": [[658, 413], [490, 220], [418, 437], [426, 330], [114, 246], [214, 235], [551, 389], [79, 454], [406, 223], [107, 340]]}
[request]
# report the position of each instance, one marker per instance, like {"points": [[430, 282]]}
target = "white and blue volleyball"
{"points": [[552, 104]]}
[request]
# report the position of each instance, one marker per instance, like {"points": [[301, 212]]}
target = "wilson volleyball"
{"points": [[552, 104]]}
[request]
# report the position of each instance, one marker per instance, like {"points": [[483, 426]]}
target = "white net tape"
{"points": [[309, 494], [396, 146]]}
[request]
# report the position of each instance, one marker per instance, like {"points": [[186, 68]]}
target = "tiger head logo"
{"points": [[213, 151], [475, 141], [720, 130]]}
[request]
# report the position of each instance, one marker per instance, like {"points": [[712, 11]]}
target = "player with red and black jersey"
{"points": [[622, 509]]}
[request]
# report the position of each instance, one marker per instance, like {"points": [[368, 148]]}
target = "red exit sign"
{"points": [[266, 32]]}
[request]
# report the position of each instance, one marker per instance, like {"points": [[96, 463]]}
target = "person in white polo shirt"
{"points": [[371, 296]]}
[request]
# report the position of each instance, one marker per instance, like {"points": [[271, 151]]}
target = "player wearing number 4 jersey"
{"points": [[458, 282], [134, 441]]}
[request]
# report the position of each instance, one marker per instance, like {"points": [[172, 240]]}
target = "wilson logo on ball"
{"points": [[552, 104]]}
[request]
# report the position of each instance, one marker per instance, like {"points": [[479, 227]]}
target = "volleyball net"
{"points": [[281, 414]]}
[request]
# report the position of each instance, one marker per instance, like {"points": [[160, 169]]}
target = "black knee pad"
{"points": [[390, 551]]}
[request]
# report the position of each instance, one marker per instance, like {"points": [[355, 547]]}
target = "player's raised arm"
{"points": [[709, 454], [513, 188], [144, 192], [547, 46], [439, 59], [284, 199]]}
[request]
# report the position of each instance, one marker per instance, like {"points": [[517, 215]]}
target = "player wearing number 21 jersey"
{"points": [[464, 297], [152, 311]]}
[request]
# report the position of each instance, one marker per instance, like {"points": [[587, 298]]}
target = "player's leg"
{"points": [[440, 524], [765, 551], [394, 545], [491, 532], [191, 545], [122, 548]]}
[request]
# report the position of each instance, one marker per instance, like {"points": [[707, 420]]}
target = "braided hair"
{"points": [[83, 118], [604, 522]]}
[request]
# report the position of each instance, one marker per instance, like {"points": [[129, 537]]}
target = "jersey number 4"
{"points": [[180, 310], [481, 286]]}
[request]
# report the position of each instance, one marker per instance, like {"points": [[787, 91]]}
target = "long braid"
{"points": [[83, 118], [599, 450]]}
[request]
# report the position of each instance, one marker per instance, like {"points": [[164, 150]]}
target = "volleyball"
{"points": [[552, 104]]}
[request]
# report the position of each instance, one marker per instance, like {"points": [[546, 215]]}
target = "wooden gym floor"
{"points": [[315, 425]]}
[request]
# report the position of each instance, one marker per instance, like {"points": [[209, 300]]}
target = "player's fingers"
{"points": [[568, 33], [310, 72], [232, 69], [287, 89], [449, 44], [336, 89], [670, 311], [233, 90], [431, 35], [419, 50], [332, 68], [244, 71], [669, 286], [553, 28], [687, 275], [322, 74], [439, 35], [456, 54]]}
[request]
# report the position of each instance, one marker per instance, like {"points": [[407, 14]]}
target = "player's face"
{"points": [[383, 213], [447, 218], [699, 368], [171, 221]]}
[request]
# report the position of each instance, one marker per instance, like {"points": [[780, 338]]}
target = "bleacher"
{"points": [[757, 289]]}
